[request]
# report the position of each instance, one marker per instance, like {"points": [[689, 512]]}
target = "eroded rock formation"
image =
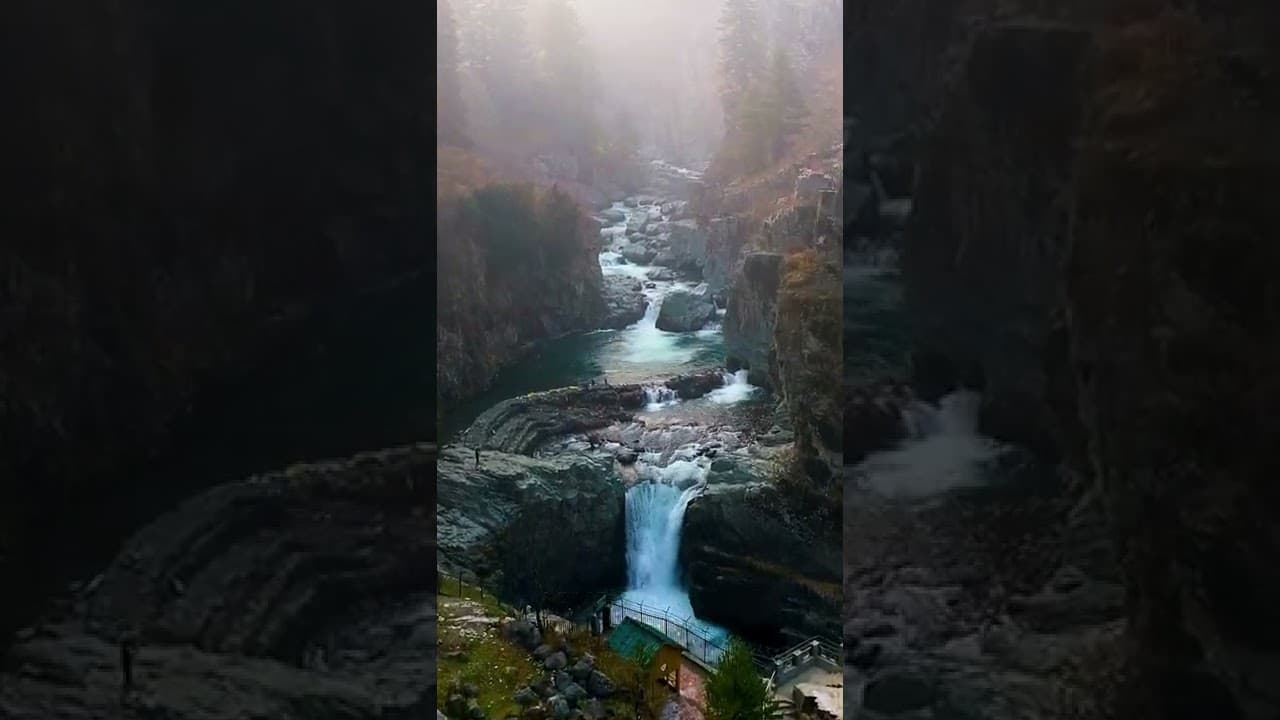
{"points": [[307, 591], [1090, 252]]}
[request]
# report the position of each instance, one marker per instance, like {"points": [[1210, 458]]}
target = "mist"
{"points": [[539, 76]]}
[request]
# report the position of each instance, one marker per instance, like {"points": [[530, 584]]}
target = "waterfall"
{"points": [[655, 511], [657, 397], [943, 450], [735, 389]]}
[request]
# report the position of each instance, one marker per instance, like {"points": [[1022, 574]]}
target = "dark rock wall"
{"points": [[185, 185], [1090, 246], [751, 315], [493, 308], [981, 259]]}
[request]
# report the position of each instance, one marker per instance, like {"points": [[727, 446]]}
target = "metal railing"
{"points": [[789, 663], [686, 631]]}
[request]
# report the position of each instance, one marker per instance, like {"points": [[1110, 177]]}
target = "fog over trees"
{"points": [[605, 79]]}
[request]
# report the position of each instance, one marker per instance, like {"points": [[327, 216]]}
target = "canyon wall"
{"points": [[1088, 246], [516, 265], [189, 189]]}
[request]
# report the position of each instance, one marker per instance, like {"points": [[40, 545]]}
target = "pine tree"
{"points": [[786, 104], [495, 46], [563, 63], [735, 691], [450, 111], [741, 57]]}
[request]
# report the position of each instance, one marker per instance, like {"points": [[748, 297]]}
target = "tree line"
{"points": [[531, 71], [760, 92]]}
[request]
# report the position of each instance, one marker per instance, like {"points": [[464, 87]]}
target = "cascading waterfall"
{"points": [[736, 388], [655, 511], [944, 450], [657, 397]]}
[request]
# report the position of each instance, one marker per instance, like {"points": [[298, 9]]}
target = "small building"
{"points": [[634, 639]]}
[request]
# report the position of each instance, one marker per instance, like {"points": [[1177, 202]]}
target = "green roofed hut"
{"points": [[634, 640]]}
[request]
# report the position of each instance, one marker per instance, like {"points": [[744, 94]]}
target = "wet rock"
{"points": [[558, 707], [686, 310], [542, 652], [695, 385], [637, 253], [873, 420], [731, 530], [613, 215], [664, 274], [625, 302]]}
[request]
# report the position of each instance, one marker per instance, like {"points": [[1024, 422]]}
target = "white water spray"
{"points": [[736, 388], [944, 450], [655, 510], [657, 397]]}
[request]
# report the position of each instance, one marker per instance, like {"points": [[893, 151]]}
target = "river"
{"points": [[674, 432]]}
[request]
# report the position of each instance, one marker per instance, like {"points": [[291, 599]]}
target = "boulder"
{"points": [[638, 253], [599, 685], [555, 661], [733, 529], [558, 707], [525, 697], [686, 310], [694, 385], [625, 303]]}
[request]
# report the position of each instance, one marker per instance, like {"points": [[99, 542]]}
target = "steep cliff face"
{"points": [[1172, 314], [180, 207], [548, 529], [1089, 246], [516, 265], [750, 317], [809, 342], [981, 258]]}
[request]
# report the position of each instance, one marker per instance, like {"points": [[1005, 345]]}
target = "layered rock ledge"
{"points": [[301, 593]]}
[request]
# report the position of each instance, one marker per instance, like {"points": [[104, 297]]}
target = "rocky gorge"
{"points": [[1077, 378], [667, 443]]}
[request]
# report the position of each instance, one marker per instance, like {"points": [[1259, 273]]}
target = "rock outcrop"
{"points": [[686, 310], [988, 224], [745, 538], [522, 268], [1102, 232], [545, 529], [165, 231], [808, 337], [526, 423], [303, 590], [624, 301], [750, 317]]}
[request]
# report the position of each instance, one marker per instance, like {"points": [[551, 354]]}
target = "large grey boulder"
{"points": [[686, 310]]}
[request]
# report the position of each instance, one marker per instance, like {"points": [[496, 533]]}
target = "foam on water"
{"points": [[657, 397], [735, 389], [655, 511], [944, 452]]}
